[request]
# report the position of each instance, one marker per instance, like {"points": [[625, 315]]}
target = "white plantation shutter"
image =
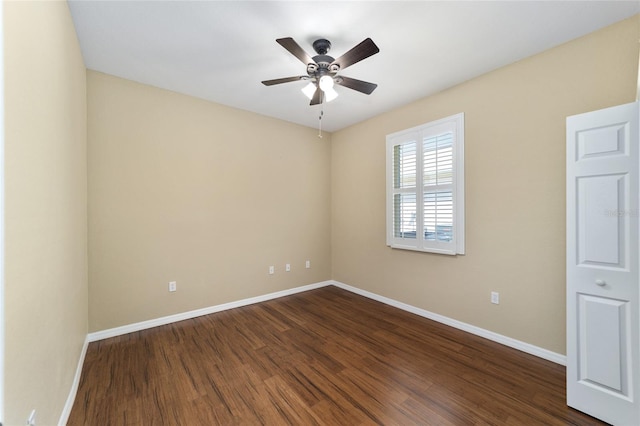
{"points": [[405, 215], [437, 182], [405, 189], [425, 187]]}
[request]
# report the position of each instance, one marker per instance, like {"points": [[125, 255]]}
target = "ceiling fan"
{"points": [[322, 69]]}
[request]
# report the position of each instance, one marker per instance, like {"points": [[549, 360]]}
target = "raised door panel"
{"points": [[602, 240], [604, 352]]}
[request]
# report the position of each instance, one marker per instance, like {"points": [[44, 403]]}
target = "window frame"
{"points": [[418, 134]]}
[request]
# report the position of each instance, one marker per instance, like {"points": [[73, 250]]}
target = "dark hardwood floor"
{"points": [[323, 357]]}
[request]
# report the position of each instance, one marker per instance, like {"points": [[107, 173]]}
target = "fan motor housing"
{"points": [[323, 59], [322, 66]]}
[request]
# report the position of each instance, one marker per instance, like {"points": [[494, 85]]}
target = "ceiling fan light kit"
{"points": [[322, 69]]}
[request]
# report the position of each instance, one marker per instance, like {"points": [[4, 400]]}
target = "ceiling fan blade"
{"points": [[317, 97], [359, 85], [283, 80], [295, 49], [362, 51]]}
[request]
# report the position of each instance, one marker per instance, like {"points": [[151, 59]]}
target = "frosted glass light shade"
{"points": [[309, 90], [330, 94], [326, 83]]}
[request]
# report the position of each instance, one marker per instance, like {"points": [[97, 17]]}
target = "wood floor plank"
{"points": [[323, 357]]}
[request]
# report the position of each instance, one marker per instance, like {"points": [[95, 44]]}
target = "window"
{"points": [[425, 187]]}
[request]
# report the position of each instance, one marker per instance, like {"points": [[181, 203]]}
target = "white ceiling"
{"points": [[222, 50]]}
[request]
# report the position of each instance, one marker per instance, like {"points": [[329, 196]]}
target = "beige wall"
{"points": [[46, 209], [185, 190], [515, 189]]}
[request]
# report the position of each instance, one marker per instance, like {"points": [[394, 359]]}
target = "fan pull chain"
{"points": [[320, 124]]}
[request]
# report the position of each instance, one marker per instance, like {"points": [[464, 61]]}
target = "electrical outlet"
{"points": [[495, 297], [287, 267], [307, 264], [173, 286], [272, 270], [31, 421]]}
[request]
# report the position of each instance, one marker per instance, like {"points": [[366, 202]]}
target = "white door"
{"points": [[603, 326]]}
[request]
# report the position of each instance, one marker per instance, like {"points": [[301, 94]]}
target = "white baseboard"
{"points": [[118, 331], [66, 411], [499, 338]]}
